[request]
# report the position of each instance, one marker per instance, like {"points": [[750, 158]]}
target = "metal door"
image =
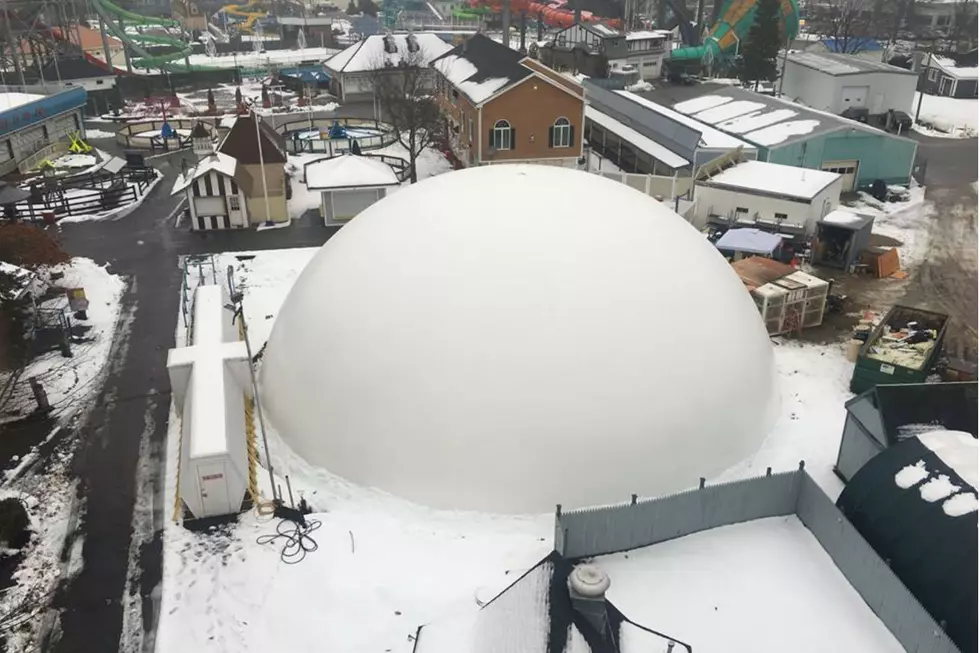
{"points": [[214, 490], [854, 96]]}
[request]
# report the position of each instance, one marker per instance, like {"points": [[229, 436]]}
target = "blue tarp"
{"points": [[751, 241]]}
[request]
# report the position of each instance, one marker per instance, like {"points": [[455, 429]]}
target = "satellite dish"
{"points": [[301, 39]]}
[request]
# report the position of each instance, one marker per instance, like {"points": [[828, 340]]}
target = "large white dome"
{"points": [[506, 338]]}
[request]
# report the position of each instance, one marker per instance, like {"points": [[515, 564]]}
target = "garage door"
{"points": [[847, 169], [854, 96]]}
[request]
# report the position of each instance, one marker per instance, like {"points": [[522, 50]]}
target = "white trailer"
{"points": [[210, 382]]}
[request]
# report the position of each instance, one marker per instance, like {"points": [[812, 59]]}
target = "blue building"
{"points": [[34, 117]]}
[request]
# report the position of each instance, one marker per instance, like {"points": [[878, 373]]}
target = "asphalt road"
{"points": [[131, 413], [946, 280]]}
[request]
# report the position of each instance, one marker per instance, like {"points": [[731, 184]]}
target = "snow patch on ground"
{"points": [[755, 586]]}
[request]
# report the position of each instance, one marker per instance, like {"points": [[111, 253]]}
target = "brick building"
{"points": [[503, 107]]}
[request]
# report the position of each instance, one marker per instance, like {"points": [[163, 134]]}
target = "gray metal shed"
{"points": [[887, 414], [842, 236]]}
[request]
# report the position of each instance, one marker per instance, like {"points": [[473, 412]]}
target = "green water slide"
{"points": [[734, 21], [111, 13]]}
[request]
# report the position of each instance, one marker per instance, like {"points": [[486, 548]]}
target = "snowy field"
{"points": [[385, 566], [764, 586], [946, 117], [254, 59]]}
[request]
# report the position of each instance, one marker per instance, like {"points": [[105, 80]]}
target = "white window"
{"points": [[561, 133], [502, 134], [781, 216], [933, 74], [471, 130], [234, 203]]}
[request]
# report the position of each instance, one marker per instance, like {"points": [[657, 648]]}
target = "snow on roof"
{"points": [[753, 241], [770, 581], [774, 179], [846, 218], [949, 67], [710, 137], [957, 449], [648, 34], [216, 161], [21, 278], [459, 71], [349, 171], [636, 139], [729, 110], [13, 100], [776, 134], [479, 67], [370, 53], [832, 63], [603, 29]]}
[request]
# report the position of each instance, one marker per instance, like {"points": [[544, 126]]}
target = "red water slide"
{"points": [[553, 14]]}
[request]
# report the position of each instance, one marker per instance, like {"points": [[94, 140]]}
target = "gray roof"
{"points": [[838, 65], [757, 119]]}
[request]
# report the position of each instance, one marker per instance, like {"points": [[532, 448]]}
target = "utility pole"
{"points": [[265, 183], [782, 73]]}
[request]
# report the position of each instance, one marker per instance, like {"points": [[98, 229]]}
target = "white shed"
{"points": [[348, 184], [835, 82], [757, 193], [210, 380]]}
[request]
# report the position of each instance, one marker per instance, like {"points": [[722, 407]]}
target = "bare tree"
{"points": [[403, 88], [847, 23], [963, 31]]}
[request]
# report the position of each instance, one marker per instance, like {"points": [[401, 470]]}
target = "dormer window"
{"points": [[412, 43], [391, 47]]}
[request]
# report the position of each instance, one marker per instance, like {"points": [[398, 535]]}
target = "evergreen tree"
{"points": [[761, 48], [351, 8], [367, 7]]}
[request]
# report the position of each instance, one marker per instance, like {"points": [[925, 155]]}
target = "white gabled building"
{"points": [[214, 198], [352, 69], [767, 195]]}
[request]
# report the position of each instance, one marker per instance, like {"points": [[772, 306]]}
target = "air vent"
{"points": [[391, 47], [412, 43]]}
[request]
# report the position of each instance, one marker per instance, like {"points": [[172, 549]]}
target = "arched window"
{"points": [[501, 135], [561, 133]]}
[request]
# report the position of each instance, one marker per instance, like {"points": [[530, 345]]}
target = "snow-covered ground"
{"points": [[765, 586], [430, 163], [70, 383], [385, 566], [945, 117], [906, 221], [74, 161]]}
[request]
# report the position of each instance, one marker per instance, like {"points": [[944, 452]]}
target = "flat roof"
{"points": [[832, 63], [764, 586], [711, 138], [774, 179], [760, 119], [636, 139]]}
